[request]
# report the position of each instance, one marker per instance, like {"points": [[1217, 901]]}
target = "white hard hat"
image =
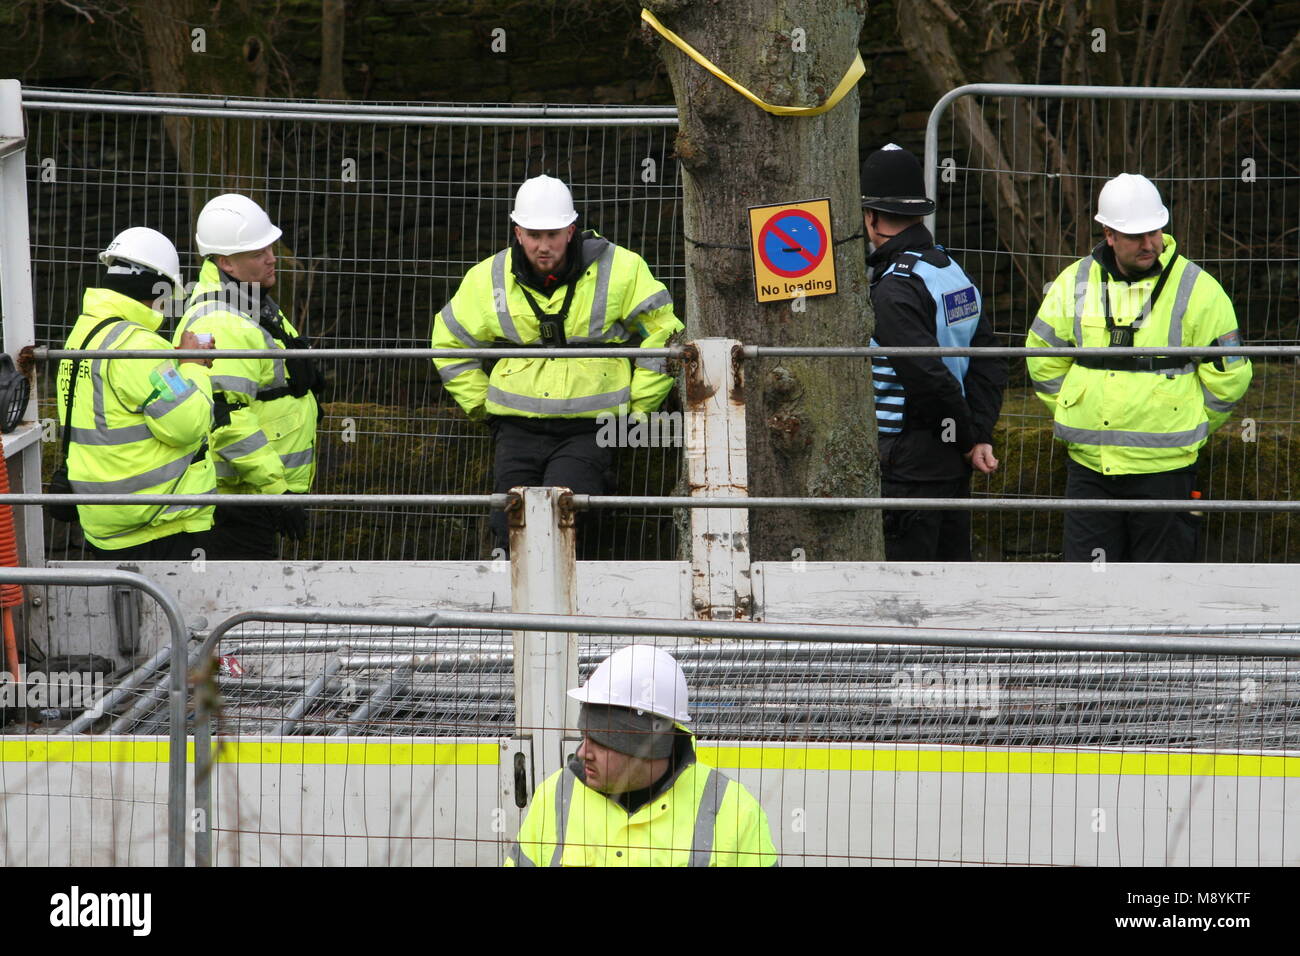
{"points": [[639, 677], [1131, 204], [232, 224], [144, 247], [543, 202]]}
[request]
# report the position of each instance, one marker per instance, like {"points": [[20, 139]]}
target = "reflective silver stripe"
{"points": [[154, 476], [97, 373], [225, 469], [616, 332], [1214, 403], [706, 817], [604, 266], [448, 372], [296, 459], [559, 406], [1088, 436], [563, 797], [206, 491], [1081, 279], [160, 407], [653, 365], [1048, 334], [500, 299], [245, 446], [1049, 386], [456, 330], [234, 383], [112, 436], [1184, 296], [519, 856], [207, 308], [656, 301]]}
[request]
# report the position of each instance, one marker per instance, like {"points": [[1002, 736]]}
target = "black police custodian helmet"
{"points": [[892, 182]]}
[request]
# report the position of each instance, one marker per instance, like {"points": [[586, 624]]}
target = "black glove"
{"points": [[290, 520]]}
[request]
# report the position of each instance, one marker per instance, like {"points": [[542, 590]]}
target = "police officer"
{"points": [[934, 416], [554, 286], [635, 793], [267, 411], [137, 426], [1134, 425]]}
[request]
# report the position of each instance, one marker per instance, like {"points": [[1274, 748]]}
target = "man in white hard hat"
{"points": [[555, 286], [267, 411], [635, 794], [934, 416], [136, 426], [1134, 425]]}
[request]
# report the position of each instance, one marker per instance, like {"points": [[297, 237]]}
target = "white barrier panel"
{"points": [[385, 801]]}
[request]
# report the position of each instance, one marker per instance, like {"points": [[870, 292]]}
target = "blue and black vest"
{"points": [[957, 307]]}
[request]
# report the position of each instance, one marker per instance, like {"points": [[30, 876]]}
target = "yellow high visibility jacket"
{"points": [[139, 426], [1120, 421], [703, 819], [269, 447], [615, 299]]}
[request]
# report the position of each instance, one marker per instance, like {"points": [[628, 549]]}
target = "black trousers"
{"points": [[551, 452], [241, 534], [1130, 535], [175, 547], [913, 535]]}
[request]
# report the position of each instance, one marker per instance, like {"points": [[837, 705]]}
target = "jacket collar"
{"points": [[584, 248], [241, 296], [914, 237], [1105, 257], [105, 303]]}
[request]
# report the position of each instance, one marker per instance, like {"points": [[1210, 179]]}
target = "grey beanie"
{"points": [[636, 733]]}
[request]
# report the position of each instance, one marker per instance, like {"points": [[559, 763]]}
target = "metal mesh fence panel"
{"points": [[1017, 209]]}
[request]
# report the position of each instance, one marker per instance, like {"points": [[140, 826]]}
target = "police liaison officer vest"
{"points": [[957, 308]]}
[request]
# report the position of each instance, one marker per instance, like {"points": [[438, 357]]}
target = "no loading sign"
{"points": [[791, 243]]}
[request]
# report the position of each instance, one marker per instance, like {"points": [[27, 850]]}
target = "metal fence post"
{"points": [[721, 589], [543, 579], [24, 443]]}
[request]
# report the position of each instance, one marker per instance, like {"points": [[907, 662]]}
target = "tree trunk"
{"points": [[333, 14], [229, 57], [810, 420]]}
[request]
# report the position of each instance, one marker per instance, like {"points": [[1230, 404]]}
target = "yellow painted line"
{"points": [[1069, 763], [309, 752], [246, 751]]}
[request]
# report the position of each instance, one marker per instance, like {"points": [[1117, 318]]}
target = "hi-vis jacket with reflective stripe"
{"points": [[269, 447], [615, 299], [137, 426], [1133, 422], [703, 819]]}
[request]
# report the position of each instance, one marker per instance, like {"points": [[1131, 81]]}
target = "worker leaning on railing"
{"points": [[266, 411], [555, 286], [137, 425], [635, 794]]}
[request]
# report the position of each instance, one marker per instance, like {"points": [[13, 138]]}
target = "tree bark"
{"points": [[810, 420], [332, 27]]}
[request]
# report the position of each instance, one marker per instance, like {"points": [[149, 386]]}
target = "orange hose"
{"points": [[11, 595]]}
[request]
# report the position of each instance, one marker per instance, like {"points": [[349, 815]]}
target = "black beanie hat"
{"points": [[135, 281], [892, 182], [632, 732]]}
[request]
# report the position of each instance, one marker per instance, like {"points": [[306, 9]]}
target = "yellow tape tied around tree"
{"points": [[856, 69]]}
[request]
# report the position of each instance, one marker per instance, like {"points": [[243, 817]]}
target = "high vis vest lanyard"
{"points": [[1121, 336]]}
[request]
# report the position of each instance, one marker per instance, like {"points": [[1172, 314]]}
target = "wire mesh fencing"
{"points": [[1016, 208], [381, 220]]}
